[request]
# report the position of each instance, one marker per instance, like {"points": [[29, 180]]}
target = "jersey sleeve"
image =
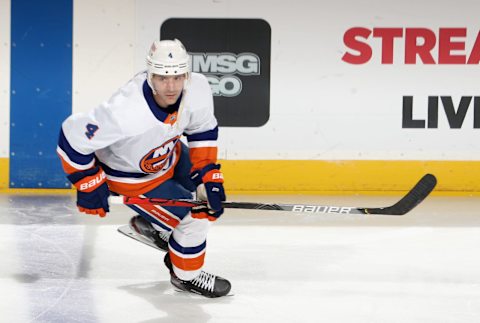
{"points": [[202, 132], [83, 134]]}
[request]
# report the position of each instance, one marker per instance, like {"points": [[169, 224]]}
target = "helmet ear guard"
{"points": [[167, 58]]}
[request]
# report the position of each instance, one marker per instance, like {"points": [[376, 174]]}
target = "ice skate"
{"points": [[145, 229], [205, 284]]}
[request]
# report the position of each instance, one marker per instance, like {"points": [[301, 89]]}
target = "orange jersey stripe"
{"points": [[202, 156], [67, 168], [132, 190], [188, 264]]}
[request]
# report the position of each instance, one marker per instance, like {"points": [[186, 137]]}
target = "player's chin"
{"points": [[171, 99]]}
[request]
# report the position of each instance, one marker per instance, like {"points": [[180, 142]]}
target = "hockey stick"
{"points": [[416, 195]]}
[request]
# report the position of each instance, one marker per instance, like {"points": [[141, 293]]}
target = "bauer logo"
{"points": [[234, 55]]}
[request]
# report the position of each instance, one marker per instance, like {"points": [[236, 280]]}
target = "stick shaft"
{"points": [[416, 195]]}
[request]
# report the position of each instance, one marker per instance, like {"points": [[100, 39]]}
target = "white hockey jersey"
{"points": [[135, 141]]}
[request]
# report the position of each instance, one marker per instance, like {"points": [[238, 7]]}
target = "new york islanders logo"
{"points": [[160, 157]]}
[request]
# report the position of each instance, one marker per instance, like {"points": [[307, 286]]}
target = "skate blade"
{"points": [[199, 296], [129, 232]]}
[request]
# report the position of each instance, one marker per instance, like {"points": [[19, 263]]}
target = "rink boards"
{"points": [[337, 177]]}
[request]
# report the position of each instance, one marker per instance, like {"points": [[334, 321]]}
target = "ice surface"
{"points": [[62, 266]]}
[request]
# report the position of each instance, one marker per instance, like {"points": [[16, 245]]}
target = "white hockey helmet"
{"points": [[167, 57]]}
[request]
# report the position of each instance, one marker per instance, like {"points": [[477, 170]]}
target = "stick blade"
{"points": [[414, 197]]}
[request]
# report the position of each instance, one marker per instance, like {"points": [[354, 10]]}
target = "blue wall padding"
{"points": [[41, 90]]}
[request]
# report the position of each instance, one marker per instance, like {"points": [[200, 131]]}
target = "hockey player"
{"points": [[130, 145]]}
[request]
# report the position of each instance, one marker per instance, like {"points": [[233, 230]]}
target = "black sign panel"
{"points": [[234, 54]]}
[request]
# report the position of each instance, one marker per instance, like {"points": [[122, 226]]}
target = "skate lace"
{"points": [[205, 281], [165, 236]]}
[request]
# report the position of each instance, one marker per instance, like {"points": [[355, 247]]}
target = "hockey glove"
{"points": [[209, 182], [92, 191]]}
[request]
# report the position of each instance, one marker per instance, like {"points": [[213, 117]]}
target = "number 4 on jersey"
{"points": [[91, 129]]}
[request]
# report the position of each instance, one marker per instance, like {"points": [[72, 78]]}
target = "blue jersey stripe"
{"points": [[74, 155], [186, 250], [119, 173], [202, 136]]}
